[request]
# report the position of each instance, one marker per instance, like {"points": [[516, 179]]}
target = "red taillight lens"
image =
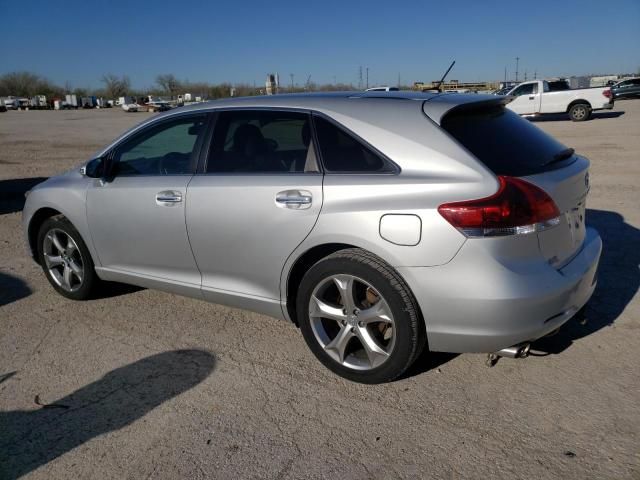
{"points": [[607, 93], [518, 207]]}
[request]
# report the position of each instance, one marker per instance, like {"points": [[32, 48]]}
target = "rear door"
{"points": [[527, 99], [255, 200]]}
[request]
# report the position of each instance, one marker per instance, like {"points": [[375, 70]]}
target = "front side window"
{"points": [[165, 149], [342, 153], [260, 141], [524, 90]]}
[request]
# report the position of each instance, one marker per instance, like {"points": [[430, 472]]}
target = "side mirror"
{"points": [[98, 167]]}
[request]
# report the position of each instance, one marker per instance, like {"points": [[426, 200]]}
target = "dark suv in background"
{"points": [[629, 88]]}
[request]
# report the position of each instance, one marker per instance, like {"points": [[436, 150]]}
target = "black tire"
{"points": [[409, 330], [83, 289], [580, 112]]}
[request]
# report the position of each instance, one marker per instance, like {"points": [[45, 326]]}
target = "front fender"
{"points": [[65, 194]]}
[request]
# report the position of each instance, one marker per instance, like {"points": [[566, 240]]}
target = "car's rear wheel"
{"points": [[580, 112], [65, 259], [359, 317]]}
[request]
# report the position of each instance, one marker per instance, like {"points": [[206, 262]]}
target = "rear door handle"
{"points": [[294, 199], [168, 198]]}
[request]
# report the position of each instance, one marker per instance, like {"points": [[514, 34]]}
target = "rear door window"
{"points": [[259, 141], [506, 143]]}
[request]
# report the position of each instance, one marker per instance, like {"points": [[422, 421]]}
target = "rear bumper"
{"points": [[478, 303], [608, 106]]}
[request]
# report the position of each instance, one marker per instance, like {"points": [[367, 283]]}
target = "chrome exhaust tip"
{"points": [[517, 351]]}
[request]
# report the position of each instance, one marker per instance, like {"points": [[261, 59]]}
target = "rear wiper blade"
{"points": [[564, 154]]}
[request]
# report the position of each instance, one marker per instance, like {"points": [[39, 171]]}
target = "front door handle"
{"points": [[168, 198], [532, 97], [294, 199]]}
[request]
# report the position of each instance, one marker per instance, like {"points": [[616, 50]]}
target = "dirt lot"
{"points": [[158, 386]]}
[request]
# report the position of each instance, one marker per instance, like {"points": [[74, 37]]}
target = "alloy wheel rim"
{"points": [[352, 322], [63, 260], [579, 112]]}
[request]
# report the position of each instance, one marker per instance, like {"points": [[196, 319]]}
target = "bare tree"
{"points": [[22, 84], [115, 86], [169, 83]]}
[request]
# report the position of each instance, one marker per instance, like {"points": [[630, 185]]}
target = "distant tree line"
{"points": [[28, 84]]}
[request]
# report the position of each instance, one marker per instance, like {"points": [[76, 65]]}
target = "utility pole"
{"points": [[367, 77], [399, 80], [525, 75], [505, 74], [517, 62], [535, 74], [291, 75], [360, 78]]}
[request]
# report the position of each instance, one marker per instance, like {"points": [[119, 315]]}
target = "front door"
{"points": [[137, 217], [527, 99], [257, 199]]}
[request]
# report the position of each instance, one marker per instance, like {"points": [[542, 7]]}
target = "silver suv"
{"points": [[379, 224]]}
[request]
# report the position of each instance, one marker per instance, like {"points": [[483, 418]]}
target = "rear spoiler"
{"points": [[440, 105]]}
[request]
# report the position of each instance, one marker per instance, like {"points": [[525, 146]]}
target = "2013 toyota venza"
{"points": [[379, 223]]}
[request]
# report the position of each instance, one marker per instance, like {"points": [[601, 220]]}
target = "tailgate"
{"points": [[568, 187]]}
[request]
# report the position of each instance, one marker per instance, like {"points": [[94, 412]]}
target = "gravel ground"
{"points": [[144, 384]]}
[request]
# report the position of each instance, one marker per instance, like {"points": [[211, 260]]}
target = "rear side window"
{"points": [[504, 142], [343, 153], [258, 141]]}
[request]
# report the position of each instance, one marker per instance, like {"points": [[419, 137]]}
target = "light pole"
{"points": [[517, 62]]}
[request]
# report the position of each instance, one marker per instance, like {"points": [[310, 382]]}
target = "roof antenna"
{"points": [[439, 86]]}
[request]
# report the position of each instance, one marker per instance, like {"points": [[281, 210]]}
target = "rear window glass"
{"points": [[504, 142]]}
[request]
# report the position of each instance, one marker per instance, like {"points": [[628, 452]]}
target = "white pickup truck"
{"points": [[536, 98]]}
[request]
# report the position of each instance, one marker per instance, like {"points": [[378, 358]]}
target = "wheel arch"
{"points": [[576, 102], [304, 261], [314, 254], [36, 221]]}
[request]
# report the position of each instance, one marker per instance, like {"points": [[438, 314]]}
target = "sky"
{"points": [[241, 41]]}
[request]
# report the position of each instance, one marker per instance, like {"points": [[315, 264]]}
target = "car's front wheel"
{"points": [[65, 259], [359, 317]]}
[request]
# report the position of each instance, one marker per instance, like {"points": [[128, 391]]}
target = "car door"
{"points": [[527, 99], [137, 215], [254, 202]]}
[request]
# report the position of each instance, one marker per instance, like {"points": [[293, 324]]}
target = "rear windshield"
{"points": [[504, 142]]}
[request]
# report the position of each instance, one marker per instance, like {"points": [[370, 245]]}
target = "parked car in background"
{"points": [[273, 204], [382, 89], [130, 107], [629, 88], [502, 91], [537, 98]]}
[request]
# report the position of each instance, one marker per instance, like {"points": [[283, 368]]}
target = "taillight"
{"points": [[607, 92], [517, 208]]}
